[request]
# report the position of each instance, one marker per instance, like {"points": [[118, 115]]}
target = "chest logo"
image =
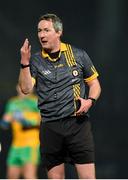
{"points": [[75, 73], [46, 72]]}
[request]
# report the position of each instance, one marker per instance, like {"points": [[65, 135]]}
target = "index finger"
{"points": [[26, 43]]}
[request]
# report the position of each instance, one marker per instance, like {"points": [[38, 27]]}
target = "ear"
{"points": [[59, 33]]}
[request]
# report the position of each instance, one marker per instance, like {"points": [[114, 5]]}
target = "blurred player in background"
{"points": [[22, 114]]}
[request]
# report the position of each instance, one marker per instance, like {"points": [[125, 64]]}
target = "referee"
{"points": [[67, 87]]}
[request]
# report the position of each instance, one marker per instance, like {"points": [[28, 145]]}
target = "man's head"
{"points": [[50, 29], [57, 23]]}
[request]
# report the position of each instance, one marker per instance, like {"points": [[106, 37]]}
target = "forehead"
{"points": [[45, 24]]}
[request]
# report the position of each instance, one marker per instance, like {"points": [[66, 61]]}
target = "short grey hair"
{"points": [[57, 23]]}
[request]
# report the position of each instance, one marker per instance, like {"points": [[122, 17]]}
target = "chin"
{"points": [[45, 47]]}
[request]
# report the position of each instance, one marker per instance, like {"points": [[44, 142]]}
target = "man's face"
{"points": [[47, 35]]}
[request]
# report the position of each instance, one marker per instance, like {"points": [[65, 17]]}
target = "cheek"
{"points": [[53, 37], [38, 35]]}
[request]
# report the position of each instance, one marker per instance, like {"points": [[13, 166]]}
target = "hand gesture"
{"points": [[25, 52], [85, 104]]}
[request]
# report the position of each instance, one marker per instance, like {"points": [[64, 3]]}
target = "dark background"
{"points": [[98, 26]]}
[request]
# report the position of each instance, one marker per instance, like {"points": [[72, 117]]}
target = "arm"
{"points": [[31, 124], [94, 88], [5, 122], [94, 92], [30, 127], [25, 79]]}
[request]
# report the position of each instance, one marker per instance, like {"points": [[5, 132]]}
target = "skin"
{"points": [[48, 37], [28, 171], [50, 42]]}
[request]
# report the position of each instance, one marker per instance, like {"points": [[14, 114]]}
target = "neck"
{"points": [[55, 48]]}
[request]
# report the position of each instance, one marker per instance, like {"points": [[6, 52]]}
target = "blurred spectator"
{"points": [[22, 114]]}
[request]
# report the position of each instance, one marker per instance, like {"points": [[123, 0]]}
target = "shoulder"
{"points": [[80, 54], [32, 97], [77, 50], [35, 56], [13, 99]]}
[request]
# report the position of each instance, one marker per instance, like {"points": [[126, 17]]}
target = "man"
{"points": [[61, 74], [22, 114]]}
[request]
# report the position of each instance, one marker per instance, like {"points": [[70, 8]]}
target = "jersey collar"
{"points": [[62, 48]]}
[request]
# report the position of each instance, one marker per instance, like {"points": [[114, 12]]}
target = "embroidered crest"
{"points": [[75, 73]]}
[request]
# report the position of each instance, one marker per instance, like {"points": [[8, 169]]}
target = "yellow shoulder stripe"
{"points": [[95, 75]]}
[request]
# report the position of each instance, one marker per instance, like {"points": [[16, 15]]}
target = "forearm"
{"points": [[94, 93], [25, 80], [27, 125], [94, 89], [5, 121], [4, 124]]}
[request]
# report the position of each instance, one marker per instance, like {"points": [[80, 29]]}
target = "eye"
{"points": [[46, 30], [39, 30]]}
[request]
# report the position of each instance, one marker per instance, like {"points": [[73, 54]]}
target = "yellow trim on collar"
{"points": [[62, 48], [33, 81]]}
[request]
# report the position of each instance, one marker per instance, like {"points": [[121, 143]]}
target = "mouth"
{"points": [[43, 41]]}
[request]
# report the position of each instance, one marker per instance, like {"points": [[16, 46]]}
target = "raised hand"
{"points": [[25, 52]]}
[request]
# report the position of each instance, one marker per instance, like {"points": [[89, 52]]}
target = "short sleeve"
{"points": [[9, 107], [89, 71]]}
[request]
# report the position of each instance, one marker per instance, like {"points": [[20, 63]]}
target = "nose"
{"points": [[42, 34]]}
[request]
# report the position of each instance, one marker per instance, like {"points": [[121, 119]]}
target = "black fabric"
{"points": [[54, 55], [67, 140]]}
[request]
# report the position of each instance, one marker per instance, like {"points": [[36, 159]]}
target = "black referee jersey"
{"points": [[59, 82]]}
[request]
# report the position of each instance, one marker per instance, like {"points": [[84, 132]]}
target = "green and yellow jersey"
{"points": [[24, 113]]}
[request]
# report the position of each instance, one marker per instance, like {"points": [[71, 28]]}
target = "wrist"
{"points": [[24, 65], [93, 100]]}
